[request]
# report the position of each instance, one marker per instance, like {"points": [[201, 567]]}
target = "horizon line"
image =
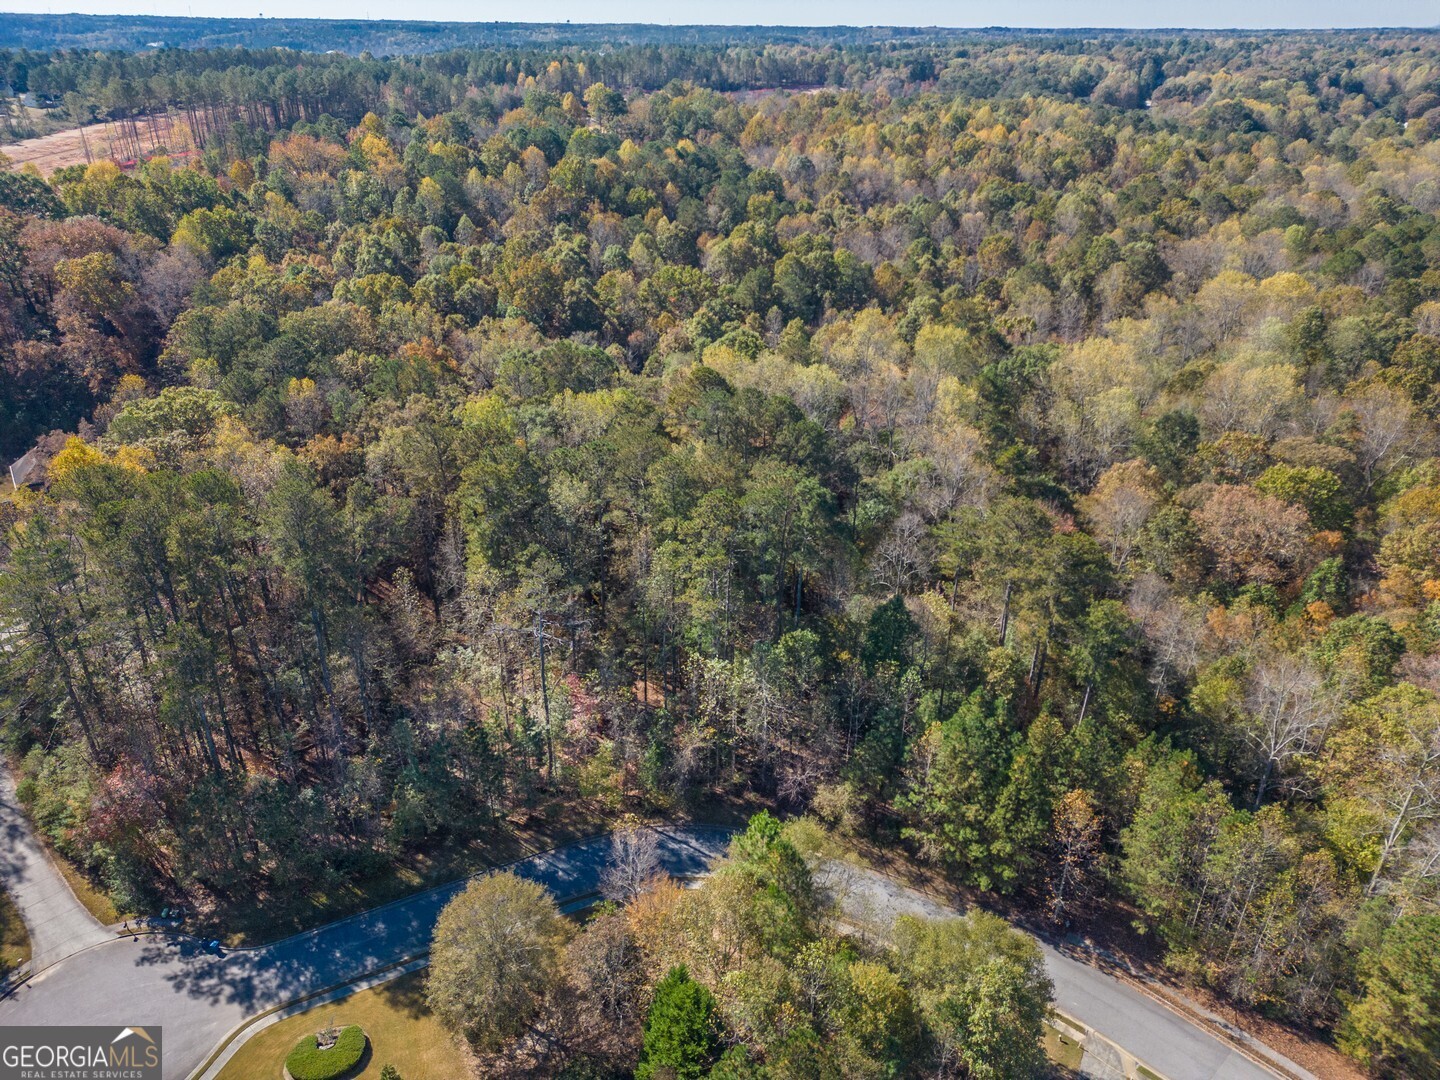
{"points": [[989, 27]]}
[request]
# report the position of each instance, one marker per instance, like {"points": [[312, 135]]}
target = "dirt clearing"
{"points": [[100, 142]]}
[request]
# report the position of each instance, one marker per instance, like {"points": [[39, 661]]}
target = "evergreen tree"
{"points": [[682, 1037], [1394, 1025]]}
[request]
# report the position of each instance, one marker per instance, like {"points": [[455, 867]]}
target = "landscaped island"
{"points": [[329, 1054]]}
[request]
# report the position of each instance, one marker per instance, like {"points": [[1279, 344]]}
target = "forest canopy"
{"points": [[1017, 449]]}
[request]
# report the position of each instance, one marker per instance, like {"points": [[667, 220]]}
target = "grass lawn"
{"points": [[14, 940], [1062, 1049], [96, 900], [402, 1033]]}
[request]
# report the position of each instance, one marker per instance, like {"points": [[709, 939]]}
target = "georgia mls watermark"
{"points": [[79, 1053]]}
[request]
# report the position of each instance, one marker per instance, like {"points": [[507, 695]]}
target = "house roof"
{"points": [[27, 470]]}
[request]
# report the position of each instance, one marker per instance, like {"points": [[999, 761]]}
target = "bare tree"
{"points": [[1390, 432], [634, 862], [1120, 506], [1413, 799], [606, 975], [1075, 842], [1396, 770], [900, 558], [1422, 856], [1174, 630], [1290, 711]]}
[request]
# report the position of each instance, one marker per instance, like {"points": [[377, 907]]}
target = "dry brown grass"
{"points": [[402, 1032], [14, 939], [96, 142]]}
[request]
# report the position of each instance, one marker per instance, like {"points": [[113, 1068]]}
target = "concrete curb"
{"points": [[1238, 1039], [248, 1028], [411, 897], [1131, 1067], [1241, 1042]]}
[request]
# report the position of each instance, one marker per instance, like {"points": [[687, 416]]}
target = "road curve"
{"points": [[197, 998], [1155, 1035]]}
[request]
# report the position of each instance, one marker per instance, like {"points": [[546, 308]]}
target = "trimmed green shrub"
{"points": [[308, 1062]]}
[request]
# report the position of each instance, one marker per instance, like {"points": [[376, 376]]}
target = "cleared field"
{"points": [[97, 142]]}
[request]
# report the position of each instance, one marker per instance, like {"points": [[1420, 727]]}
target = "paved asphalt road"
{"points": [[196, 997], [1149, 1031], [59, 925]]}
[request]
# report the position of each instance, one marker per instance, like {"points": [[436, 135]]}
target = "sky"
{"points": [[1056, 13]]}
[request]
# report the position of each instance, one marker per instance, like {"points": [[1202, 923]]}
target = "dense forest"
{"points": [[1018, 450]]}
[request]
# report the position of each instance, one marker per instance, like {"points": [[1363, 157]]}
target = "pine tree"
{"points": [[682, 1036]]}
